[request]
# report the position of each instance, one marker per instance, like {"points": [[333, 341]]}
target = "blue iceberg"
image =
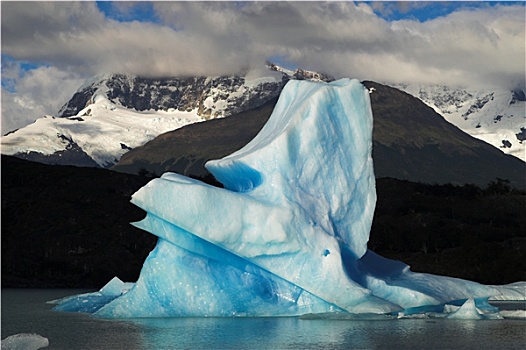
{"points": [[287, 235]]}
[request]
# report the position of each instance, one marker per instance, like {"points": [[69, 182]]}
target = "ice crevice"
{"points": [[288, 234]]}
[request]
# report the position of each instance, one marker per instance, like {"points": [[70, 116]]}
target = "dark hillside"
{"points": [[410, 142], [65, 226], [460, 231]]}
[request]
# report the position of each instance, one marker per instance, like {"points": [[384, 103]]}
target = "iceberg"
{"points": [[287, 235], [468, 311], [24, 341]]}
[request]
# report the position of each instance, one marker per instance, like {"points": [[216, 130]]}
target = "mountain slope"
{"points": [[413, 142], [497, 116], [410, 141], [97, 136], [67, 226], [185, 150]]}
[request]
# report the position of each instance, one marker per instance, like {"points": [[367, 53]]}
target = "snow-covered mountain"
{"points": [[496, 116], [112, 114], [99, 134]]}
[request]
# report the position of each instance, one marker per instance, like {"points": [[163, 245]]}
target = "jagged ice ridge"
{"points": [[288, 233]]}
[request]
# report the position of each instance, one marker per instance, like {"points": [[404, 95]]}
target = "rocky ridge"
{"points": [[211, 97]]}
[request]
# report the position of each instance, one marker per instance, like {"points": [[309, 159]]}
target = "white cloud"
{"points": [[472, 46], [468, 47], [40, 91], [477, 46]]}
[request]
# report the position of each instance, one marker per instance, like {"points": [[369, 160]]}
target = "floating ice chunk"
{"points": [[513, 314], [468, 311], [24, 341], [116, 287], [92, 302]]}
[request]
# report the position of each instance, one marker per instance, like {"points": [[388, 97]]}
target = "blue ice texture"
{"points": [[287, 235]]}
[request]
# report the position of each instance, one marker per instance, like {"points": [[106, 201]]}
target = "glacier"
{"points": [[287, 235]]}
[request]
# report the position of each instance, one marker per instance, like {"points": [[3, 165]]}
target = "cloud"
{"points": [[482, 45], [40, 91], [214, 38], [87, 42]]}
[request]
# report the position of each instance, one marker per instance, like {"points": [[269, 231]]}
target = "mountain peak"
{"points": [[212, 97], [300, 74], [113, 113]]}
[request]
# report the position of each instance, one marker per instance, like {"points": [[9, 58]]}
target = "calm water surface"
{"points": [[26, 311]]}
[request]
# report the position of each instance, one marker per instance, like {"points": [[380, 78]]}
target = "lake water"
{"points": [[26, 311]]}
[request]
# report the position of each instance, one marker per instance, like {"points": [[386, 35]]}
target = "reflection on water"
{"points": [[26, 311], [294, 333]]}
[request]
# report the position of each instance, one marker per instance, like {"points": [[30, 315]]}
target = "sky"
{"points": [[49, 49]]}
